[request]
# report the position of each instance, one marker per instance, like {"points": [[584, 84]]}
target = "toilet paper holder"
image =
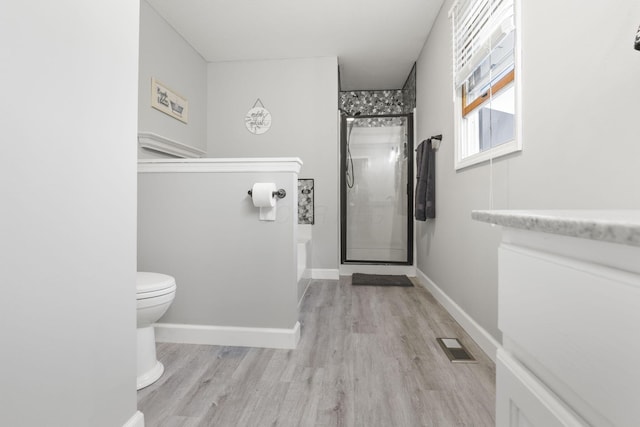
{"points": [[280, 194]]}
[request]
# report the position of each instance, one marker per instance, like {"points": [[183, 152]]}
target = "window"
{"points": [[484, 44]]}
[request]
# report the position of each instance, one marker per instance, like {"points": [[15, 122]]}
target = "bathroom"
{"points": [[71, 241]]}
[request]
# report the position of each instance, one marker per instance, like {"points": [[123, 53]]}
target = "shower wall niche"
{"points": [[305, 201]]}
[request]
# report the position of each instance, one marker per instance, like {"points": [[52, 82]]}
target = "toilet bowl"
{"points": [[155, 293]]}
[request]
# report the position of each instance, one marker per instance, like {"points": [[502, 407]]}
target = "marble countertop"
{"points": [[619, 226]]}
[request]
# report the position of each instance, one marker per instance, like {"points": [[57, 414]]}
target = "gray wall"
{"points": [[165, 55], [580, 125], [231, 269], [302, 96], [68, 120]]}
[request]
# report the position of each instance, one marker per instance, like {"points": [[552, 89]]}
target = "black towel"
{"points": [[425, 182]]}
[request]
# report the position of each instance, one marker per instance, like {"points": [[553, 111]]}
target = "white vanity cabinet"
{"points": [[569, 311]]}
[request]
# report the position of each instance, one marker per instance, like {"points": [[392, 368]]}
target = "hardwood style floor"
{"points": [[367, 357]]}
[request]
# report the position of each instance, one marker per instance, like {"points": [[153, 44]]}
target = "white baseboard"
{"points": [[137, 420], [349, 269], [325, 273], [228, 335], [487, 343]]}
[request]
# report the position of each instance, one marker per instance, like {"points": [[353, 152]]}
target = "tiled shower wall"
{"points": [[381, 102], [372, 102], [409, 91]]}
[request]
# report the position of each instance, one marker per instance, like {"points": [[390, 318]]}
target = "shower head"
{"points": [[350, 119]]}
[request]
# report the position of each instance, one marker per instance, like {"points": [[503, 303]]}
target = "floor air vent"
{"points": [[455, 351]]}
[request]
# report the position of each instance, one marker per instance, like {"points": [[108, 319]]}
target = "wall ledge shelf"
{"points": [[265, 164], [155, 142]]}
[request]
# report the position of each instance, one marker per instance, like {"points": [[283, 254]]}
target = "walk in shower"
{"points": [[376, 189]]}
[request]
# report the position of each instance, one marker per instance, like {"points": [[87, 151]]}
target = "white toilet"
{"points": [[155, 293]]}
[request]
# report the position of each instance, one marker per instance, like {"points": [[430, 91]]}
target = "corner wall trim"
{"points": [[137, 420], [325, 273], [306, 288], [487, 343], [228, 335]]}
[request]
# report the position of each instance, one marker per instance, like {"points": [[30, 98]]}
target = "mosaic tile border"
{"points": [[306, 201]]}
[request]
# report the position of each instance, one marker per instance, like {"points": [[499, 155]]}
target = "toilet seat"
{"points": [[155, 293], [152, 285]]}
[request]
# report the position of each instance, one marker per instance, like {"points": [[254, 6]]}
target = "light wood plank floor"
{"points": [[367, 357]]}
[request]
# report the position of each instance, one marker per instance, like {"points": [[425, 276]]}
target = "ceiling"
{"points": [[376, 41]]}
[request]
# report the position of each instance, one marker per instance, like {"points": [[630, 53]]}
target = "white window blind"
{"points": [[478, 26]]}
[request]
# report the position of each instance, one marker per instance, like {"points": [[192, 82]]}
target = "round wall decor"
{"points": [[258, 119]]}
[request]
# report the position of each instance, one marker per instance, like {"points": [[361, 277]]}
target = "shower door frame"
{"points": [[343, 191]]}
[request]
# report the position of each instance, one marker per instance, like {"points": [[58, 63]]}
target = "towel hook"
{"points": [[434, 137]]}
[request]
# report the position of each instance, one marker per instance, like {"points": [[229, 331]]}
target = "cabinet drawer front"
{"points": [[523, 401], [579, 325]]}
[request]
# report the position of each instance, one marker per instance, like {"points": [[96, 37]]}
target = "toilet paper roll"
{"points": [[262, 194]]}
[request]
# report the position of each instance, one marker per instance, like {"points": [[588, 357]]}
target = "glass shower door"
{"points": [[377, 194]]}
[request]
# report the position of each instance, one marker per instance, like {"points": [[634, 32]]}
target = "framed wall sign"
{"points": [[165, 100], [258, 119]]}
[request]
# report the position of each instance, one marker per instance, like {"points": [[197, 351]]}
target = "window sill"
{"points": [[495, 152]]}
